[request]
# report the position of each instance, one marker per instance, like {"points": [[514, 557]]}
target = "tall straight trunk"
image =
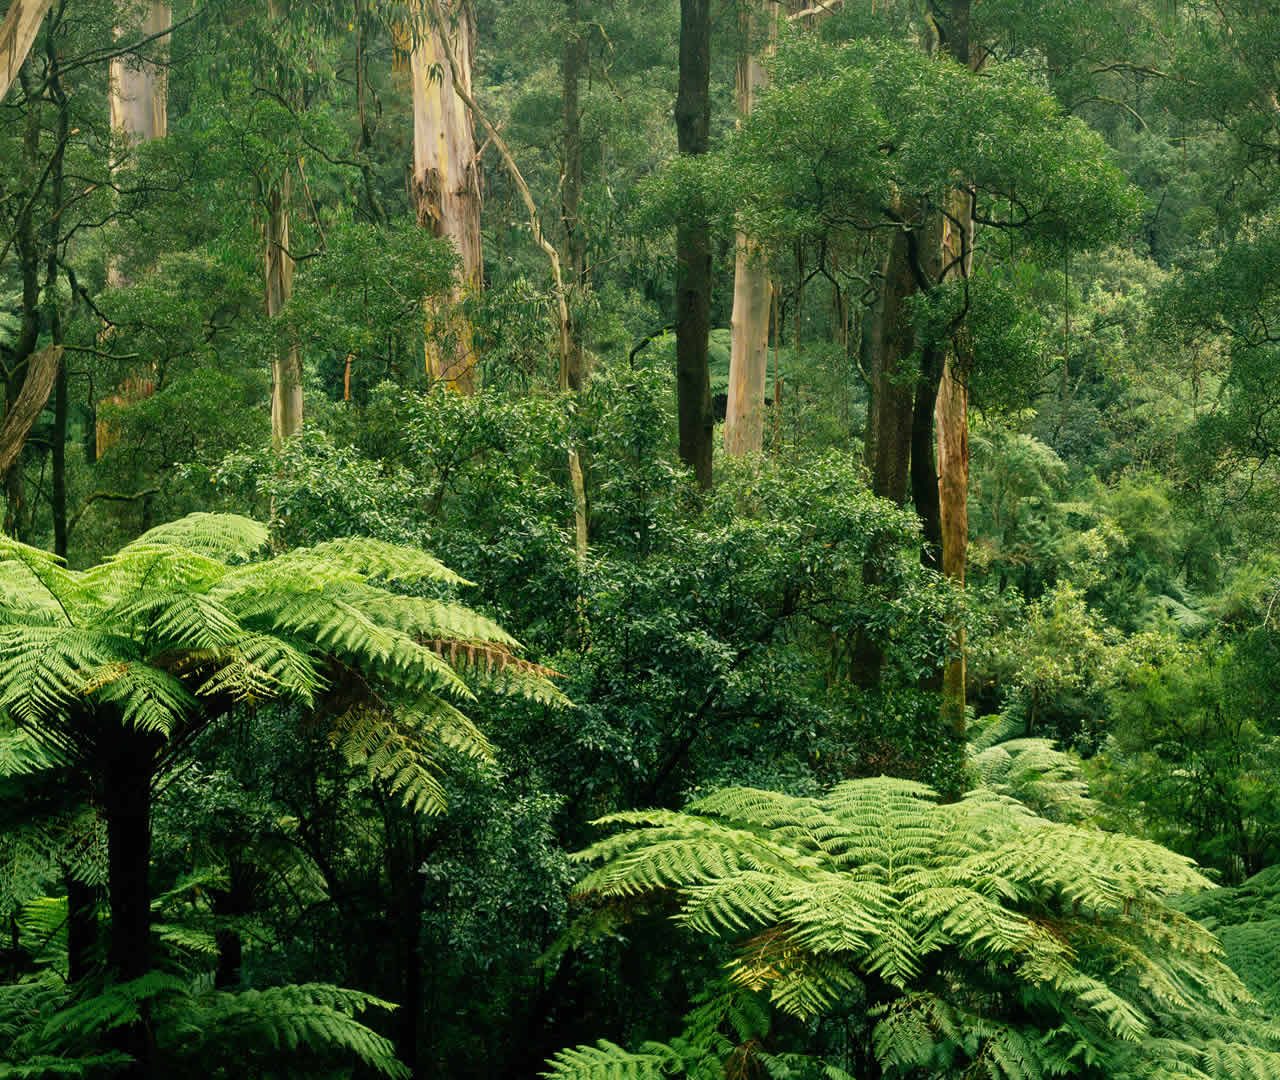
{"points": [[137, 99], [888, 341], [575, 240], [17, 34], [139, 89], [749, 349], [286, 365], [952, 408], [693, 248], [573, 368], [128, 763], [446, 184]]}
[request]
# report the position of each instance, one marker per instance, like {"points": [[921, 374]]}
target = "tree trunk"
{"points": [[82, 928], [693, 248], [952, 410], [748, 363], [575, 240], [139, 89], [234, 901], [17, 35], [137, 98], [128, 762], [446, 184], [286, 366], [887, 342]]}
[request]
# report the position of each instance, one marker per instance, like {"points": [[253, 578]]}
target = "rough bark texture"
{"points": [[286, 366], [42, 373], [446, 185], [887, 343], [17, 34], [749, 351], [952, 410], [693, 248]]}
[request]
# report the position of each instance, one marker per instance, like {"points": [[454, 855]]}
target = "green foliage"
{"points": [[941, 916], [301, 1030], [845, 125], [177, 622]]}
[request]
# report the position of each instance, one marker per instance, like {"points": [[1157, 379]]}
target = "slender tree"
{"points": [[575, 239], [952, 406], [693, 247], [752, 293]]}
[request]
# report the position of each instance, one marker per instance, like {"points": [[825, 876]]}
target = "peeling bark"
{"points": [[17, 35], [446, 183]]}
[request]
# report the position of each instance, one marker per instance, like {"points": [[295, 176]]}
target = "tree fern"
{"points": [[115, 669], [284, 1030], [988, 939]]}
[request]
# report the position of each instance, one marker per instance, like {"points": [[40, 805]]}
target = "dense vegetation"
{"points": [[600, 539]]}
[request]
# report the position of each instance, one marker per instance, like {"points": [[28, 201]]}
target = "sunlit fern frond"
{"points": [[222, 537]]}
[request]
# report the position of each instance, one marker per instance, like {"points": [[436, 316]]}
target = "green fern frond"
{"points": [[877, 880], [222, 537], [22, 755], [373, 737], [608, 1061], [375, 560]]}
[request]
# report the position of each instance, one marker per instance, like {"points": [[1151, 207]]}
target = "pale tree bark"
{"points": [[137, 98], [139, 88], [446, 184], [749, 350], [286, 364], [564, 325], [17, 34]]}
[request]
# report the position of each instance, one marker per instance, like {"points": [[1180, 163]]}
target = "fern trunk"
{"points": [[82, 928], [126, 805]]}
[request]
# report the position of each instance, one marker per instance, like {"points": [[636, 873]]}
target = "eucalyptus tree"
{"points": [[446, 175], [18, 32]]}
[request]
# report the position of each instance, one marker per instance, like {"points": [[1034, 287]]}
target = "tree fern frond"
{"points": [[371, 737], [22, 755], [1000, 913], [222, 537], [376, 560], [609, 1061], [280, 1020]]}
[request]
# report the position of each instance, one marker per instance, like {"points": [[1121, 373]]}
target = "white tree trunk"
{"points": [[748, 362], [139, 89], [446, 185], [749, 352], [17, 34]]}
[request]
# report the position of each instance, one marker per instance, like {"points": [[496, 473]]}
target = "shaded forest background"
{"points": [[797, 395]]}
